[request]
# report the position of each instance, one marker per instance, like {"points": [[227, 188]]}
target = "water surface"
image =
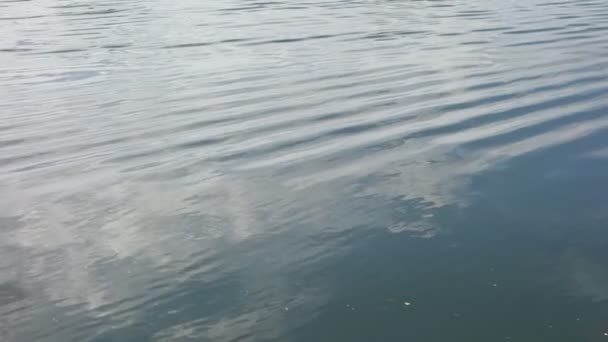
{"points": [[334, 170]]}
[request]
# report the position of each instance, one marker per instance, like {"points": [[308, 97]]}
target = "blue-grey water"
{"points": [[325, 170]]}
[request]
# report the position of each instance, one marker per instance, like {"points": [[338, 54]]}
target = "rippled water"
{"points": [[334, 170]]}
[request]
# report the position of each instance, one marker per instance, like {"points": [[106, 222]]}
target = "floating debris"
{"points": [[407, 303]]}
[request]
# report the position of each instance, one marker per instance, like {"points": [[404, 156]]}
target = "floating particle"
{"points": [[407, 303]]}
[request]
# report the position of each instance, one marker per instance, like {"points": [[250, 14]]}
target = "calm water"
{"points": [[326, 170]]}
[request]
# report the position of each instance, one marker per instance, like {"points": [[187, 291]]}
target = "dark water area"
{"points": [[335, 170]]}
